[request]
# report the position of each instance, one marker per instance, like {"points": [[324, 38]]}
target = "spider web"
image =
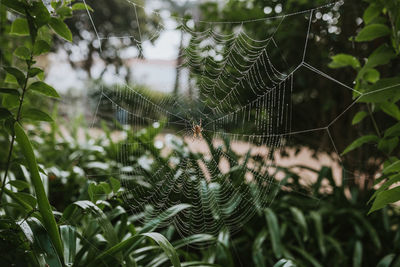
{"points": [[226, 69]]}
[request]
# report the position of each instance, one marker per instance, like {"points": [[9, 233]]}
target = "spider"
{"points": [[197, 129]]}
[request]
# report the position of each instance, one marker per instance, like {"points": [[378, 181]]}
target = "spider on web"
{"points": [[197, 129]]}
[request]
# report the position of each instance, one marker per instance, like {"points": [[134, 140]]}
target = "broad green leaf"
{"points": [[392, 180], [43, 202], [23, 53], [381, 56], [386, 261], [273, 230], [35, 115], [64, 11], [371, 12], [257, 251], [40, 13], [384, 90], [384, 198], [41, 241], [115, 184], [394, 167], [27, 198], [41, 47], [10, 101], [19, 184], [388, 145], [68, 236], [359, 142], [81, 6], [43, 88], [372, 31], [371, 75], [18, 74], [60, 28], [166, 246], [357, 255], [344, 60], [359, 117], [9, 91], [20, 27], [4, 113], [393, 131], [34, 71], [17, 6], [391, 109]]}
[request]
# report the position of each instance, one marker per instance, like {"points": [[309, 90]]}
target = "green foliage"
{"points": [[380, 95]]}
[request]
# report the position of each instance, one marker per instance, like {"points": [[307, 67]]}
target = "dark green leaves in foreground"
{"points": [[43, 203]]}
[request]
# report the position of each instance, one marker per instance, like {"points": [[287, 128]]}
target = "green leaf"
{"points": [[27, 198], [23, 53], [43, 203], [371, 12], [384, 198], [34, 71], [40, 13], [115, 184], [127, 244], [388, 145], [41, 242], [391, 109], [371, 75], [300, 220], [35, 115], [394, 167], [344, 60], [393, 131], [359, 142], [41, 47], [386, 261], [20, 185], [166, 246], [81, 6], [20, 27], [284, 263], [44, 89], [393, 179], [359, 117], [10, 101], [64, 11], [17, 6], [68, 236], [273, 229], [384, 90], [319, 231], [9, 91], [5, 113], [60, 28], [19, 75], [372, 31], [357, 255], [381, 56]]}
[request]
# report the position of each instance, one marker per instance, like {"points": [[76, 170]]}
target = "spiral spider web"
{"points": [[226, 67]]}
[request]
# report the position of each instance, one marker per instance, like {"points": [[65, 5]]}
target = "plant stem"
{"points": [[21, 100]]}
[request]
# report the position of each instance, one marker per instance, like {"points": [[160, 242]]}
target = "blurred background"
{"points": [[311, 210]]}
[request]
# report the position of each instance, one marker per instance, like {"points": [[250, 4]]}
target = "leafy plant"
{"points": [[379, 95]]}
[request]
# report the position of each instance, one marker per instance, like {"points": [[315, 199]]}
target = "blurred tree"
{"points": [[122, 19]]}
